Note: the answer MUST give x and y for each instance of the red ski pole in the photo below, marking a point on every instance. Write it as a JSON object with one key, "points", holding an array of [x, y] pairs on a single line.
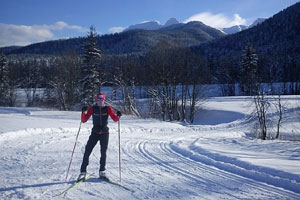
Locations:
{"points": [[73, 151], [119, 150]]}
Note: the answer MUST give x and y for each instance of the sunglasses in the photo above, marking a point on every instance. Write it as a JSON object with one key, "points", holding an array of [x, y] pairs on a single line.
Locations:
{"points": [[100, 99]]}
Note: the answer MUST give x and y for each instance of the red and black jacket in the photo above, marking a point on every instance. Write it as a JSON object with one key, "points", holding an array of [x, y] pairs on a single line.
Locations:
{"points": [[100, 117]]}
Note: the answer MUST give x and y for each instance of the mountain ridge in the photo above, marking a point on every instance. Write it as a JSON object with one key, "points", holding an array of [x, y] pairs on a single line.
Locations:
{"points": [[239, 28], [132, 41], [268, 36], [152, 25]]}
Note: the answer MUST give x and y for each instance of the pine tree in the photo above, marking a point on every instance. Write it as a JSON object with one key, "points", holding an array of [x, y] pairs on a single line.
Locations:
{"points": [[248, 75], [4, 80], [90, 82]]}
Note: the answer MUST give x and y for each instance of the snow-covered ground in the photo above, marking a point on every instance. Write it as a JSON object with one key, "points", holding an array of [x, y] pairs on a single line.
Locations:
{"points": [[215, 158]]}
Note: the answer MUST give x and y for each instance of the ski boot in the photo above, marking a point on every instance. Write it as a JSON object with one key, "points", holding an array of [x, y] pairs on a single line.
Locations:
{"points": [[81, 176], [102, 176]]}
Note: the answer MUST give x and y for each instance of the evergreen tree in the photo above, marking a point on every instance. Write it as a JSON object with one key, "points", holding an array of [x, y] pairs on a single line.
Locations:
{"points": [[90, 82], [248, 75], [4, 80]]}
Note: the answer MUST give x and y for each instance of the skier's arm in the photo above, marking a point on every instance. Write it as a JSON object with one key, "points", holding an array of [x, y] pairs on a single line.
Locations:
{"points": [[86, 116], [112, 114]]}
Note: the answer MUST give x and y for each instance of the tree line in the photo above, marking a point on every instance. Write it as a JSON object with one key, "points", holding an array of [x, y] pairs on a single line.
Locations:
{"points": [[172, 77]]}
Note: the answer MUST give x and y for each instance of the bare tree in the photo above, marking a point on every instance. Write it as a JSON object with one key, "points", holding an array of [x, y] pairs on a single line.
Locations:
{"points": [[31, 78], [200, 75], [279, 108], [176, 77], [128, 94], [13, 84], [4, 79], [227, 76], [124, 77], [261, 109], [64, 80], [163, 79]]}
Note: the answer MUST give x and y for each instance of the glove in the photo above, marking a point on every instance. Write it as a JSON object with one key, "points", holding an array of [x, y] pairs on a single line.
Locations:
{"points": [[119, 114], [84, 108]]}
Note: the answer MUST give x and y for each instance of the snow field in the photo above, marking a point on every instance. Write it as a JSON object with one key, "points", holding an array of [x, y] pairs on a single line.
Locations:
{"points": [[215, 159]]}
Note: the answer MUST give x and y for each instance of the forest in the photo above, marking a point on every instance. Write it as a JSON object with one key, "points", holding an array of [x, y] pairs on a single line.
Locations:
{"points": [[171, 66]]}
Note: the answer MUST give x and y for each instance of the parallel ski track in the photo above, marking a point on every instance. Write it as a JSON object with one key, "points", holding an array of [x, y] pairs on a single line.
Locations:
{"points": [[225, 174], [137, 171], [198, 175], [195, 181], [192, 168]]}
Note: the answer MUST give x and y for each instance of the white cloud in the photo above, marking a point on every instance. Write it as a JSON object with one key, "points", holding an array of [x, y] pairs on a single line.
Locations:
{"points": [[217, 20], [21, 35], [60, 25], [150, 21], [116, 29]]}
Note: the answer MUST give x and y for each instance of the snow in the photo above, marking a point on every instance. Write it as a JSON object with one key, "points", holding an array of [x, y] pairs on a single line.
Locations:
{"points": [[152, 25], [217, 157]]}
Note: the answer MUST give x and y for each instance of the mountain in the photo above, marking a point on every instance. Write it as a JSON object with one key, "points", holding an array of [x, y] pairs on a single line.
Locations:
{"points": [[152, 25], [132, 41], [234, 29], [276, 42], [256, 22], [239, 28], [141, 38], [277, 35], [171, 21], [9, 48]]}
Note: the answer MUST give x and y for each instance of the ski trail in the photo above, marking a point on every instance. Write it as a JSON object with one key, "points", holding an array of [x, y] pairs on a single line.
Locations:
{"points": [[261, 174], [141, 175], [198, 173], [35, 167], [154, 165], [192, 159], [196, 184]]}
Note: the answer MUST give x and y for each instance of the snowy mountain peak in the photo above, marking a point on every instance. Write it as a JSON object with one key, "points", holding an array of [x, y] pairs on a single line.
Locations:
{"points": [[238, 28], [152, 25], [149, 25], [258, 21], [234, 29], [171, 21]]}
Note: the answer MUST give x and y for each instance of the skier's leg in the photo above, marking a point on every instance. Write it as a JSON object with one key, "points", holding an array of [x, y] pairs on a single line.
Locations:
{"points": [[93, 139], [103, 147]]}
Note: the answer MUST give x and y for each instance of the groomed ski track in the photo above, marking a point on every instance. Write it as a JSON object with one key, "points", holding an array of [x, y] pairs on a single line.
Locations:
{"points": [[160, 160]]}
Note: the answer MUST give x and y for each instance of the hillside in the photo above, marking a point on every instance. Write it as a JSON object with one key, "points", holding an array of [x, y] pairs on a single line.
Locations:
{"points": [[133, 41], [278, 35]]}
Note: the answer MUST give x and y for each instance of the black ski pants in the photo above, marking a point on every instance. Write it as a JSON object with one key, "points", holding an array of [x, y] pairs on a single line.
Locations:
{"points": [[93, 139]]}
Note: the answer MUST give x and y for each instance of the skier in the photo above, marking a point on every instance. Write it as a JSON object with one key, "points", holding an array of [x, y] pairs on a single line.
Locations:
{"points": [[100, 132]]}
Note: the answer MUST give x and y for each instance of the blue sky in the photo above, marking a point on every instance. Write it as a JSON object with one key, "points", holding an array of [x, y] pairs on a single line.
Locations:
{"points": [[23, 22]]}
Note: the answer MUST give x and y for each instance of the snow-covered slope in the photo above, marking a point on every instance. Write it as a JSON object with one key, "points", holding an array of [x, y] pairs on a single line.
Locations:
{"points": [[215, 158], [234, 29], [152, 25], [149, 25], [239, 28], [257, 21]]}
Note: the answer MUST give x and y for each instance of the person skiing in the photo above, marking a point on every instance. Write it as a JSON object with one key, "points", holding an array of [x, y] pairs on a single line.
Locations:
{"points": [[100, 132]]}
